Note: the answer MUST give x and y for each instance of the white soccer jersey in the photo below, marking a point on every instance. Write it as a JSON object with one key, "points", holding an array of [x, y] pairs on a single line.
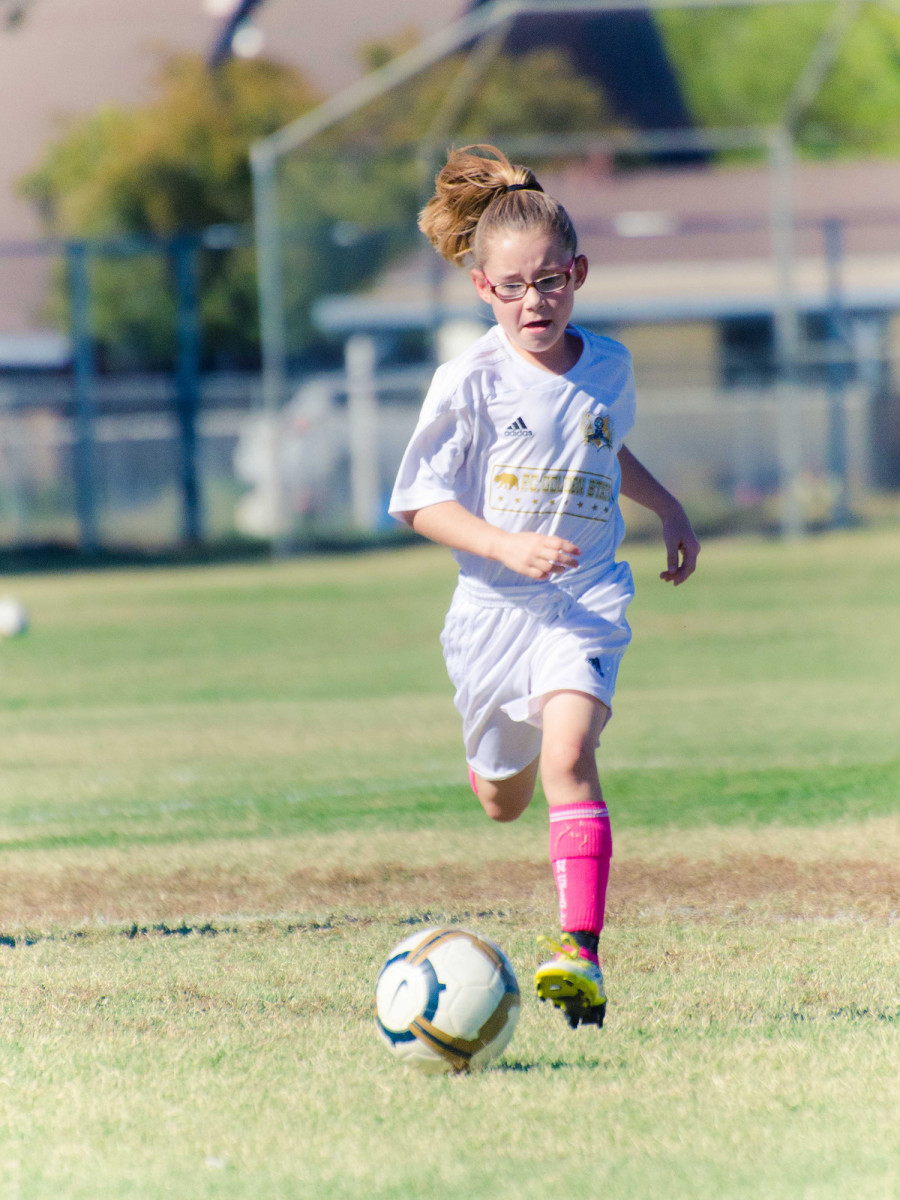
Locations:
{"points": [[525, 449]]}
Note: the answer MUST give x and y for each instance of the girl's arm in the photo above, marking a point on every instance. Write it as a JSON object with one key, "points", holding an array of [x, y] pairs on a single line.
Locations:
{"points": [[682, 546], [531, 554]]}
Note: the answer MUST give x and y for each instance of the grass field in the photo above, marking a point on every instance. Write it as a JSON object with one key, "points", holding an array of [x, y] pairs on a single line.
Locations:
{"points": [[228, 791]]}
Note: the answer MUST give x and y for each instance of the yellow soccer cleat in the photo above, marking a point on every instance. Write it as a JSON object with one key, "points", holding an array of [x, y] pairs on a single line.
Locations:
{"points": [[572, 983]]}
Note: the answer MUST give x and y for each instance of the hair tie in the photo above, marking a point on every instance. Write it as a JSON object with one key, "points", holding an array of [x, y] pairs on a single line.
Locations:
{"points": [[519, 187]]}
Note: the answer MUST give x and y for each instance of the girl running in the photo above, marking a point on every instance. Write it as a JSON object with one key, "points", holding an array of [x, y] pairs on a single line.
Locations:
{"points": [[517, 464]]}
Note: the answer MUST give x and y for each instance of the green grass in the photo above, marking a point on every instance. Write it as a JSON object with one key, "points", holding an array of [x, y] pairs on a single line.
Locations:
{"points": [[226, 792], [277, 698]]}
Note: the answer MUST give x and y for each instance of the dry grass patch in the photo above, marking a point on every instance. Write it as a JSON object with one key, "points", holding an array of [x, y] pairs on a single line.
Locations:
{"points": [[756, 886], [844, 873]]}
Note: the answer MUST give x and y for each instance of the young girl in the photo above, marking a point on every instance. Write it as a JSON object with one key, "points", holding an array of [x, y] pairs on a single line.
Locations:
{"points": [[517, 464]]}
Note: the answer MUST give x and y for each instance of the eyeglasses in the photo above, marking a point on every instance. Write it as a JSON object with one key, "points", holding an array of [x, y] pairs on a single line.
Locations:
{"points": [[545, 285]]}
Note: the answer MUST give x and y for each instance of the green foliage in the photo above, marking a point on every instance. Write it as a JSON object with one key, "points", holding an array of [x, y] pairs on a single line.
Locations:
{"points": [[739, 67], [177, 164], [858, 109], [376, 54], [537, 93]]}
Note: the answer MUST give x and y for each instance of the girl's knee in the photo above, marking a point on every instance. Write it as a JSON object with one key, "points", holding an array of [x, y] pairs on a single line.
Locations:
{"points": [[568, 758], [573, 723], [505, 800], [503, 813], [503, 804]]}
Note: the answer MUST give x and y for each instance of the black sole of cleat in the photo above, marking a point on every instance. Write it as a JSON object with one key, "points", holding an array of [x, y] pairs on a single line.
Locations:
{"points": [[580, 1015], [595, 1016]]}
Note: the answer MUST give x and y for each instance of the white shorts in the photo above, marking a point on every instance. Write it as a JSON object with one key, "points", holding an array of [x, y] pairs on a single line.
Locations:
{"points": [[506, 648]]}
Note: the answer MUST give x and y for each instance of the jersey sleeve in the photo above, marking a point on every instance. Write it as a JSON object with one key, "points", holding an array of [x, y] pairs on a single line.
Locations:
{"points": [[434, 465]]}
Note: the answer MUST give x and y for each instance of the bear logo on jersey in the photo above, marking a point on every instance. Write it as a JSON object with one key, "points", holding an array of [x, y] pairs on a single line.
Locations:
{"points": [[597, 431]]}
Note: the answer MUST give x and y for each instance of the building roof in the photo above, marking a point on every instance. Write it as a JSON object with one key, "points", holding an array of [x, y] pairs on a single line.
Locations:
{"points": [[680, 244]]}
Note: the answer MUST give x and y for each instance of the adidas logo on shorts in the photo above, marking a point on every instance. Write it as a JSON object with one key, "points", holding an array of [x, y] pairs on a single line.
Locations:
{"points": [[597, 665], [517, 429]]}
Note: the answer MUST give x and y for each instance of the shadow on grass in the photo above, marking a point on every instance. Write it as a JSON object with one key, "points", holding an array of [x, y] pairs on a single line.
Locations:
{"points": [[519, 1067], [57, 556]]}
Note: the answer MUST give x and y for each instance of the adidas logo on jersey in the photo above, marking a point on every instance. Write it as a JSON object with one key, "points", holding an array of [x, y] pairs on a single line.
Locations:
{"points": [[517, 429]]}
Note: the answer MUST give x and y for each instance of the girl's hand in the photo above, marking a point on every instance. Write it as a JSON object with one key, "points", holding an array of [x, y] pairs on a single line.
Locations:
{"points": [[536, 555], [682, 546], [531, 554]]}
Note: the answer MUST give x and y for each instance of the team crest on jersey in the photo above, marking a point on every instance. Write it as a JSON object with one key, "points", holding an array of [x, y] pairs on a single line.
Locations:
{"points": [[597, 430]]}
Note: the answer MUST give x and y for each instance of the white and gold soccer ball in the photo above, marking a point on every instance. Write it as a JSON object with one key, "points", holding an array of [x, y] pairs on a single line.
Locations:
{"points": [[447, 1000]]}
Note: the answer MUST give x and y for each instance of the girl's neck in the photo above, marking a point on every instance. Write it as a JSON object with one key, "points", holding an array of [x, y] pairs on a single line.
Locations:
{"points": [[559, 359]]}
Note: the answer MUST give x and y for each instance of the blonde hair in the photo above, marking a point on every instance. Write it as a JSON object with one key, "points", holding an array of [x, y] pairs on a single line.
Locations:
{"points": [[479, 193]]}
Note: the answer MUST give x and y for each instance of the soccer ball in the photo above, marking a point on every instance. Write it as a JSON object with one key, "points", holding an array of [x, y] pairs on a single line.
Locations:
{"points": [[13, 617], [447, 1000]]}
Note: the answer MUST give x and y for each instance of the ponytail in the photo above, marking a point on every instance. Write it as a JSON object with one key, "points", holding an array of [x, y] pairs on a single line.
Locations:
{"points": [[478, 193]]}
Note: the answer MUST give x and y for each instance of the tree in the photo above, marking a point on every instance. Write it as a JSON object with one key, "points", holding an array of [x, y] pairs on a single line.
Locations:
{"points": [[739, 66], [177, 165]]}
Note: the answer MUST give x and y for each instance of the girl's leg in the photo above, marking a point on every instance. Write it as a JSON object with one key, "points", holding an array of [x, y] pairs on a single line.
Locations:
{"points": [[573, 722], [580, 851], [506, 799], [580, 837]]}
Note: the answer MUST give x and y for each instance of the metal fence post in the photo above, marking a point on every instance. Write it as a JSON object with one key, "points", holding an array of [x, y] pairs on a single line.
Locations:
{"points": [[272, 326], [83, 375], [185, 253], [787, 335], [361, 359], [838, 473]]}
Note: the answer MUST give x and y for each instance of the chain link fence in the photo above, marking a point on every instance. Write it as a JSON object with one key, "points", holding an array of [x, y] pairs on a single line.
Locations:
{"points": [[97, 456]]}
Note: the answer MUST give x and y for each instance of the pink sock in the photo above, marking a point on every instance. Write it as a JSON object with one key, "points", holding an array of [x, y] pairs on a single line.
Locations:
{"points": [[580, 850]]}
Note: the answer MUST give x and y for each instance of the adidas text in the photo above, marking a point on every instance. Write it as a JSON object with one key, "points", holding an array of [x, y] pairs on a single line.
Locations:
{"points": [[517, 429]]}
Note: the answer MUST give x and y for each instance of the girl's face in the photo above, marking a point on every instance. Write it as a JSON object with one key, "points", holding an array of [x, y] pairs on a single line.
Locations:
{"points": [[536, 323]]}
